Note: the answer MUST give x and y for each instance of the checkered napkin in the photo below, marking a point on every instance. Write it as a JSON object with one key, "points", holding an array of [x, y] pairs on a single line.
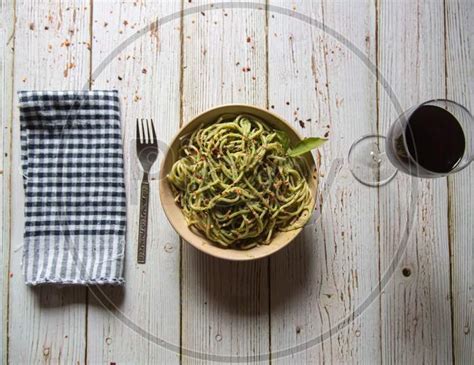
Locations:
{"points": [[75, 207]]}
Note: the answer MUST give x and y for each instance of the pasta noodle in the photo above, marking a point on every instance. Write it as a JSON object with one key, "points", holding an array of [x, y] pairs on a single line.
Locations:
{"points": [[236, 185]]}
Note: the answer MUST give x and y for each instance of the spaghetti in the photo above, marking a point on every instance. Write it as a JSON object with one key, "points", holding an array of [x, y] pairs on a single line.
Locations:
{"points": [[236, 185]]}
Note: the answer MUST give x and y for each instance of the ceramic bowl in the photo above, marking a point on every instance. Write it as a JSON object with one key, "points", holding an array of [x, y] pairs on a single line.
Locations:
{"points": [[173, 211]]}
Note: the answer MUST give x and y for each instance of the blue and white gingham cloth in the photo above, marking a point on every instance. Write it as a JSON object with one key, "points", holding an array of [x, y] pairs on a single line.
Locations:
{"points": [[75, 205]]}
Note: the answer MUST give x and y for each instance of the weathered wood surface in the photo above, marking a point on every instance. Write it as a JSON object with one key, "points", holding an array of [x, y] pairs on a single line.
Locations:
{"points": [[6, 65], [147, 75], [206, 309], [325, 276], [46, 324], [3, 219], [415, 307], [460, 87], [224, 304]]}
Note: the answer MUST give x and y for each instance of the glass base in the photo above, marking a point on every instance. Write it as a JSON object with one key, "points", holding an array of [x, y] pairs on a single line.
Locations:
{"points": [[369, 163]]}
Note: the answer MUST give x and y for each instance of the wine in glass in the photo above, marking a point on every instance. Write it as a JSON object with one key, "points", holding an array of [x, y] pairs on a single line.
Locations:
{"points": [[432, 139]]}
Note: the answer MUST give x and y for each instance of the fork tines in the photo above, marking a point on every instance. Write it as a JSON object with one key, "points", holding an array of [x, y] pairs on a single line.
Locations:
{"points": [[146, 131]]}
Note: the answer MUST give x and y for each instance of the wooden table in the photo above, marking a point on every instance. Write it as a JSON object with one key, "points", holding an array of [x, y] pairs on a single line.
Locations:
{"points": [[350, 289]]}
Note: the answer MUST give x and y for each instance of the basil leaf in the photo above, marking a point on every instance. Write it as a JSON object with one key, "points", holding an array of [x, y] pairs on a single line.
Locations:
{"points": [[283, 139], [306, 145]]}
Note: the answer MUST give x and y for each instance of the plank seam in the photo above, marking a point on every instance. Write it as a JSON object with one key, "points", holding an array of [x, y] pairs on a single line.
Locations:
{"points": [[377, 121], [86, 294], [449, 193], [325, 57], [267, 105], [91, 30], [9, 203], [181, 116]]}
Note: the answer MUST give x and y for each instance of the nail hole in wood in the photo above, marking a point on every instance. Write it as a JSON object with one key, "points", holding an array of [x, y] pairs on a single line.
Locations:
{"points": [[406, 272]]}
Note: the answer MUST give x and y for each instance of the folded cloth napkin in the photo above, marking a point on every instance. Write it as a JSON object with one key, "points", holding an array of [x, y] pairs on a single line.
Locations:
{"points": [[75, 206]]}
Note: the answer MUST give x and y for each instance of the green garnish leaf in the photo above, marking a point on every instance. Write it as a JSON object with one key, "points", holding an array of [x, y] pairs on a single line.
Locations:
{"points": [[306, 145], [283, 139]]}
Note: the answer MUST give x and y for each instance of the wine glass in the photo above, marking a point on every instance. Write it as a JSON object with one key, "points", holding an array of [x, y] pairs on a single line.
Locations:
{"points": [[432, 139]]}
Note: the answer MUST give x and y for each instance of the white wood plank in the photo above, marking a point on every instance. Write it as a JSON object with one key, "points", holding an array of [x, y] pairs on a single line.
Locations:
{"points": [[416, 315], [460, 87], [6, 67], [4, 223], [224, 304], [46, 324], [324, 276], [147, 75]]}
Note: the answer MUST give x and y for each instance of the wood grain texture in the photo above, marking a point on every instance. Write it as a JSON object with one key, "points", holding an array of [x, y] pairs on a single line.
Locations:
{"points": [[213, 56], [46, 324], [6, 68], [224, 304], [4, 223], [323, 277], [6, 82], [415, 307], [147, 74], [460, 87]]}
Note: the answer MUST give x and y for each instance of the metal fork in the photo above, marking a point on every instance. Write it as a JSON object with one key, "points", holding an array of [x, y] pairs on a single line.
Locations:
{"points": [[147, 151]]}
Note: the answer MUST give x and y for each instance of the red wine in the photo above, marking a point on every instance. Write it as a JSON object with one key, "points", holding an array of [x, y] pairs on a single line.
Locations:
{"points": [[435, 139]]}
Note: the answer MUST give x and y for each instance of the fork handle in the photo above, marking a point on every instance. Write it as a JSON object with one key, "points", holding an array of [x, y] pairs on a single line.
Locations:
{"points": [[143, 219]]}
